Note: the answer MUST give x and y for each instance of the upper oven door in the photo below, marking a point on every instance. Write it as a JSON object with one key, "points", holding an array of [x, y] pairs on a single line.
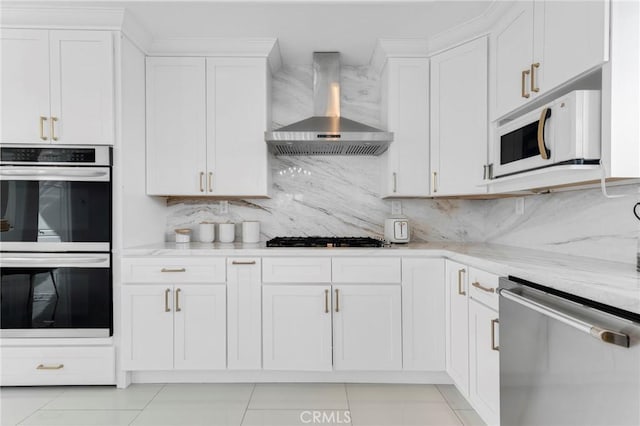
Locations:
{"points": [[525, 143], [55, 208]]}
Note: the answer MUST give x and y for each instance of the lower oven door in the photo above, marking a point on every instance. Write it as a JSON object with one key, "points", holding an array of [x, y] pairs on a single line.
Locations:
{"points": [[56, 295]]}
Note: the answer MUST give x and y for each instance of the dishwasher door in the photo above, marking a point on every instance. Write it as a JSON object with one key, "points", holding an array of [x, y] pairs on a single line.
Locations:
{"points": [[566, 363]]}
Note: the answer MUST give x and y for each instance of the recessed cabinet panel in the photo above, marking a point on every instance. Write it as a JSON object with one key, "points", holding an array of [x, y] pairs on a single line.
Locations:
{"points": [[24, 58], [82, 87], [366, 270], [176, 126]]}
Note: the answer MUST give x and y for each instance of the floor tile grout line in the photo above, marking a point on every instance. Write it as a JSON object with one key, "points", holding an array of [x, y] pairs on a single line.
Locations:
{"points": [[149, 402], [253, 389], [41, 407]]}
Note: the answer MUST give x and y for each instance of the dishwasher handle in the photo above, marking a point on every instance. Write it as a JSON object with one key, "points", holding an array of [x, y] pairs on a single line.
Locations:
{"points": [[605, 335]]}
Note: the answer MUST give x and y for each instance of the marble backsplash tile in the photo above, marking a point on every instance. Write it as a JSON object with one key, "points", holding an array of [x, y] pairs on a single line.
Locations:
{"points": [[340, 195]]}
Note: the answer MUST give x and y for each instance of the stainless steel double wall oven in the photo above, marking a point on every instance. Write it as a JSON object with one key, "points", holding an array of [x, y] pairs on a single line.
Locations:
{"points": [[55, 238]]}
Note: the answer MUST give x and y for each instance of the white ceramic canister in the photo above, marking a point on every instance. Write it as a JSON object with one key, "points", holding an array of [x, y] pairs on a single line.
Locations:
{"points": [[251, 232], [206, 232], [227, 232], [183, 235]]}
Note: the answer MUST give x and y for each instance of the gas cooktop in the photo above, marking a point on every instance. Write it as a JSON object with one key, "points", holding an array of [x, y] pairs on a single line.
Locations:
{"points": [[325, 242]]}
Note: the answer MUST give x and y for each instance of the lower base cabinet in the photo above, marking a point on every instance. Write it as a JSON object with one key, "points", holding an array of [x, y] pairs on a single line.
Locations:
{"points": [[174, 327], [324, 327]]}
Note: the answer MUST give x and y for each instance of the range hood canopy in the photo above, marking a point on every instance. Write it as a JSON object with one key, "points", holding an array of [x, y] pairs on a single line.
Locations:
{"points": [[327, 133]]}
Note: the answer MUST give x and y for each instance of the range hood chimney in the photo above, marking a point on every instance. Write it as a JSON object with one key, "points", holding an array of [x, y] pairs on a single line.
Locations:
{"points": [[327, 133]]}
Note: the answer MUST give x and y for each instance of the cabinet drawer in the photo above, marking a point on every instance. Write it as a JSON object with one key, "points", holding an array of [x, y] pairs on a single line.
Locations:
{"points": [[69, 365], [366, 270], [174, 269], [483, 287], [296, 270]]}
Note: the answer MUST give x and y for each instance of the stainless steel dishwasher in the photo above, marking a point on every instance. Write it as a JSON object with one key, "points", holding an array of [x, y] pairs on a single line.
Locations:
{"points": [[565, 360]]}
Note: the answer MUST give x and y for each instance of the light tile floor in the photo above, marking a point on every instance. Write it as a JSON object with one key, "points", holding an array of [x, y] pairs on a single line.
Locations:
{"points": [[264, 404]]}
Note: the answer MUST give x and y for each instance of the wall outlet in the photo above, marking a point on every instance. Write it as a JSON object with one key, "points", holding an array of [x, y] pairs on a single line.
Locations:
{"points": [[223, 207], [396, 207], [520, 206]]}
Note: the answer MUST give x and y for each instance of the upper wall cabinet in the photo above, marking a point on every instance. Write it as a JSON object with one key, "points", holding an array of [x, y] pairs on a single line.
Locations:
{"points": [[57, 87], [459, 119], [538, 46], [205, 126], [405, 104]]}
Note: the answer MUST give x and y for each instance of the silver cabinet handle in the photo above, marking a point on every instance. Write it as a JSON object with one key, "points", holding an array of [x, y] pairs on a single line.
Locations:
{"points": [[178, 300], [166, 300], [210, 181], [461, 292], [240, 262], [607, 336], [435, 180], [476, 284], [337, 300], [201, 181], [50, 367], [493, 335], [326, 301], [395, 182], [173, 270]]}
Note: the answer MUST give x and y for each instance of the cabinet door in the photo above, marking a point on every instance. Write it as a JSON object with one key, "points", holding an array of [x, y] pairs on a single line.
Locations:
{"points": [[459, 137], [406, 93], [24, 56], [512, 42], [236, 122], [200, 335], [484, 386], [296, 327], [367, 330], [457, 325], [244, 314], [147, 332], [423, 314], [82, 87], [564, 54], [176, 126]]}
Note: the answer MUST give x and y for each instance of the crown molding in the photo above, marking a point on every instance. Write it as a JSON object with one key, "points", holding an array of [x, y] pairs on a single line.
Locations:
{"points": [[81, 18], [259, 47], [397, 48]]}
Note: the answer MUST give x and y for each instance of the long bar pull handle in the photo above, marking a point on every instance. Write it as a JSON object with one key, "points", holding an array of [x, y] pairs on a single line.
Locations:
{"points": [[210, 182], [173, 270], [337, 300], [395, 182], [240, 262], [166, 300], [605, 335], [53, 128], [42, 135], [201, 181], [542, 148], [50, 367], [476, 284], [493, 335], [523, 92], [533, 77], [435, 180], [326, 301], [461, 292], [178, 300]]}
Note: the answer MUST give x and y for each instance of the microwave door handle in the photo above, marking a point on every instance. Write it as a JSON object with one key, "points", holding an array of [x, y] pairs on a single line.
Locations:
{"points": [[542, 148]]}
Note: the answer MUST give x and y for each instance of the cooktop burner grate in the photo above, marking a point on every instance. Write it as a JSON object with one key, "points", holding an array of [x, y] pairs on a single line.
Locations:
{"points": [[325, 242]]}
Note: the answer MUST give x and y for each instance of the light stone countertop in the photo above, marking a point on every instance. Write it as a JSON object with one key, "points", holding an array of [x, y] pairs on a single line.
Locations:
{"points": [[612, 283]]}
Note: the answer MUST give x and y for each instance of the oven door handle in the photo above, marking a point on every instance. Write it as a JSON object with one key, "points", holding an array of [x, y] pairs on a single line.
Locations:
{"points": [[542, 148], [603, 334], [56, 173], [54, 262]]}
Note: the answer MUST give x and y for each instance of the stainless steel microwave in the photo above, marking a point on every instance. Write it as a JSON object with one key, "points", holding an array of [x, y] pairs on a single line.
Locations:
{"points": [[565, 131]]}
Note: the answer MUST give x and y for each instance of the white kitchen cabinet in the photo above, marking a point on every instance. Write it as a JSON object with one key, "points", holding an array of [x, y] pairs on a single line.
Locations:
{"points": [[459, 117], [237, 117], [244, 314], [25, 85], [535, 53], [405, 112], [423, 314], [484, 377], [176, 126], [206, 119], [57, 87], [367, 330], [457, 325], [296, 327], [169, 327]]}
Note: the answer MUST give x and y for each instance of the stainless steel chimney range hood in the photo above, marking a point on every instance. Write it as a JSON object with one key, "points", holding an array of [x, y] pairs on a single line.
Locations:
{"points": [[327, 133]]}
